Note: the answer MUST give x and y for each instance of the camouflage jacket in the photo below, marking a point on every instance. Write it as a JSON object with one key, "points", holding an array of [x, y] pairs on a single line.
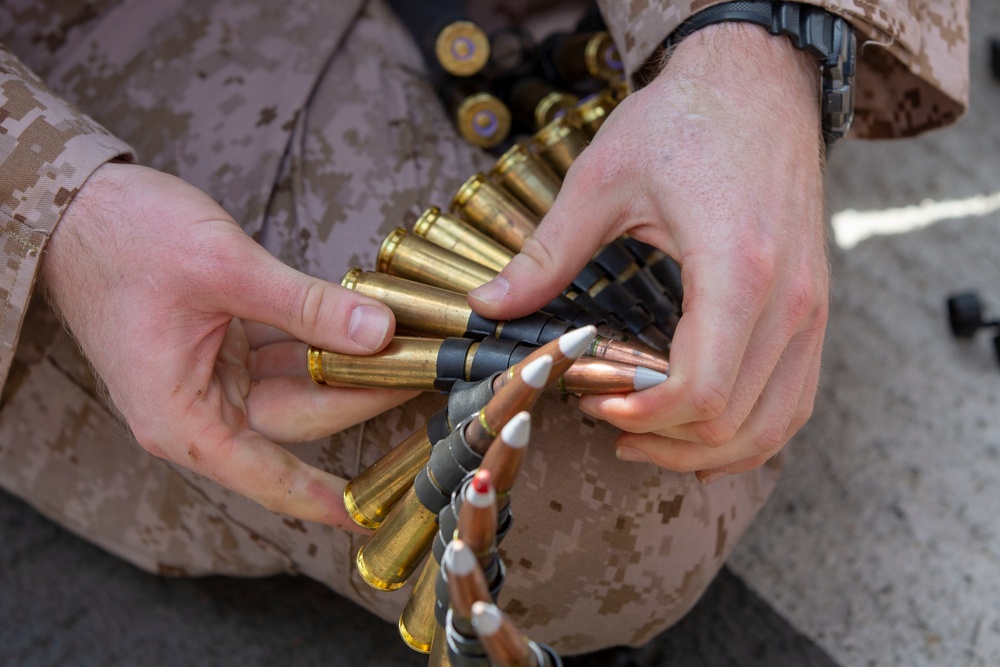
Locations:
{"points": [[912, 77]]}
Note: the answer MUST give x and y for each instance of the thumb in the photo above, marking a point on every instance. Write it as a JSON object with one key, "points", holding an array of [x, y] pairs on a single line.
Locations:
{"points": [[580, 221], [262, 289]]}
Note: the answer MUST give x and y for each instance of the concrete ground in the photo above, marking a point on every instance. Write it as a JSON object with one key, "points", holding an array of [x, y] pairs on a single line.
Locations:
{"points": [[881, 546]]}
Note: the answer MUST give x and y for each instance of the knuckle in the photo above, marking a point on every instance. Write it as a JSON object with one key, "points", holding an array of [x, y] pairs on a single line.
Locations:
{"points": [[538, 253], [757, 266], [708, 401], [715, 433], [312, 305], [768, 441]]}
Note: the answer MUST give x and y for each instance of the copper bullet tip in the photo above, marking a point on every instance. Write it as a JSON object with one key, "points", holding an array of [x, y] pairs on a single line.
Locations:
{"points": [[517, 431], [536, 374], [574, 343], [646, 378]]}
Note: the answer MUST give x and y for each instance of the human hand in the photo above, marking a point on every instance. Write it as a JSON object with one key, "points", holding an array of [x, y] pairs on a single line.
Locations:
{"points": [[718, 163], [184, 318]]}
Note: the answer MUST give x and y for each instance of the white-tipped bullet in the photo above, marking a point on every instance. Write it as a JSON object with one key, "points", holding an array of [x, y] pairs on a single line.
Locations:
{"points": [[458, 558], [536, 374], [574, 343], [646, 378], [517, 432], [486, 618]]}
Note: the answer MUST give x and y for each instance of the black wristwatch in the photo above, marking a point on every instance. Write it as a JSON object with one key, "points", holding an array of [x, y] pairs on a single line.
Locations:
{"points": [[812, 29]]}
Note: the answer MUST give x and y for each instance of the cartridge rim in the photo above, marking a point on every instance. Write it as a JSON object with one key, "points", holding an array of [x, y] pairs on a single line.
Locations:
{"points": [[595, 108], [515, 155], [554, 105], [411, 641], [370, 578], [351, 278], [553, 132], [467, 191], [602, 57], [387, 250], [483, 120], [352, 508], [462, 48], [314, 360], [426, 221]]}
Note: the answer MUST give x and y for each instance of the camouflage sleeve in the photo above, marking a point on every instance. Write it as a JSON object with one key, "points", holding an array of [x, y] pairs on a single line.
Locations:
{"points": [[47, 151], [913, 56]]}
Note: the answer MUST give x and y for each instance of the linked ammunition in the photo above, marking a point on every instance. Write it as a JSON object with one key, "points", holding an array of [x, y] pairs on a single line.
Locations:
{"points": [[593, 110], [503, 458], [481, 118], [453, 234], [466, 584], [477, 519], [407, 256], [448, 40], [413, 258], [527, 179], [595, 282], [616, 378], [417, 622], [432, 311], [511, 51], [503, 641], [560, 141], [535, 102], [404, 537], [490, 210], [568, 59], [664, 269], [618, 262]]}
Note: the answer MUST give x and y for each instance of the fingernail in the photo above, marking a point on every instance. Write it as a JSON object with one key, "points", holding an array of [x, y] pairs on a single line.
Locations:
{"points": [[711, 477], [492, 291], [630, 454], [368, 326]]}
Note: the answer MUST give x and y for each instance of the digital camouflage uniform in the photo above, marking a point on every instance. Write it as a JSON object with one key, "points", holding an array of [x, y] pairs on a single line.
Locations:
{"points": [[312, 124]]}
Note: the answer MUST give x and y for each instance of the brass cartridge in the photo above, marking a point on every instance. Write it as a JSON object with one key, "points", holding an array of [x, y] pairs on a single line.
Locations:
{"points": [[595, 109], [462, 48], [417, 621], [536, 102], [407, 256], [580, 56], [481, 119], [375, 491], [527, 178], [405, 363], [453, 234], [560, 142], [439, 649], [399, 544], [490, 210], [419, 309]]}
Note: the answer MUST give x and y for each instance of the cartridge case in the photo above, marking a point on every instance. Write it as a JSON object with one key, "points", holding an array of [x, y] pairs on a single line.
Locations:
{"points": [[399, 544], [419, 309], [408, 256], [480, 117], [461, 238], [527, 178], [417, 622], [375, 491], [580, 56], [405, 363], [490, 210], [560, 142], [462, 48], [535, 102], [439, 649], [595, 109]]}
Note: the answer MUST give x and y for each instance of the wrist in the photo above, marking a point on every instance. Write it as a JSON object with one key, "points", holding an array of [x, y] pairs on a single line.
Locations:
{"points": [[744, 66]]}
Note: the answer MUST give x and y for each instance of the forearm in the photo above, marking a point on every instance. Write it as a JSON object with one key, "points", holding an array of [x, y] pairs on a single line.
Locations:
{"points": [[48, 151]]}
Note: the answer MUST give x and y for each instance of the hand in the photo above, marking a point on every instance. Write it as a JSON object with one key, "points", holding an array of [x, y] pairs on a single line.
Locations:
{"points": [[155, 280], [718, 162]]}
